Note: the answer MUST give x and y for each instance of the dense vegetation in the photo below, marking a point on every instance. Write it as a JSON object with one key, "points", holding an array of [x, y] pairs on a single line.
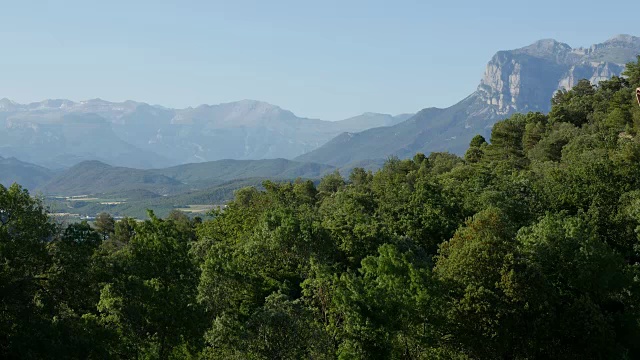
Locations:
{"points": [[526, 248]]}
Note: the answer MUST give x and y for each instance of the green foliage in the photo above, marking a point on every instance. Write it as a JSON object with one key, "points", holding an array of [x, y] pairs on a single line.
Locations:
{"points": [[587, 287], [387, 309], [105, 225], [479, 273], [24, 260], [331, 183], [124, 230], [632, 73], [528, 248], [476, 149], [506, 141], [150, 302]]}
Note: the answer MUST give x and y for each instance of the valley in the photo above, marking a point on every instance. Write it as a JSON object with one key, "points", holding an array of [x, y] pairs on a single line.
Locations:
{"points": [[91, 187]]}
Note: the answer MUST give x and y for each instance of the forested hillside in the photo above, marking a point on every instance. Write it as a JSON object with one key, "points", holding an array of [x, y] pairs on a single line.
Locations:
{"points": [[93, 177], [528, 247]]}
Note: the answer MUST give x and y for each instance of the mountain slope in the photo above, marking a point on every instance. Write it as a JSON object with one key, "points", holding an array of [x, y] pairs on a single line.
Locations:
{"points": [[202, 174], [28, 175], [519, 80], [95, 177], [92, 177], [371, 120], [65, 140]]}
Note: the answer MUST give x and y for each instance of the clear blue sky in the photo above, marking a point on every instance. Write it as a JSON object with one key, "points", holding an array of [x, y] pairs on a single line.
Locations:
{"points": [[322, 59]]}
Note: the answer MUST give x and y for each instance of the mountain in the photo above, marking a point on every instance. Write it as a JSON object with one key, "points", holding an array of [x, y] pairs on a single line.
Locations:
{"points": [[60, 133], [518, 80], [58, 141], [95, 177], [91, 177], [28, 175], [209, 173]]}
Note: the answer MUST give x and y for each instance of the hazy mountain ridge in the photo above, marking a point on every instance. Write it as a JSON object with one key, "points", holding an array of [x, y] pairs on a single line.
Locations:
{"points": [[208, 173], [26, 174], [60, 133], [95, 177], [90, 177], [518, 80]]}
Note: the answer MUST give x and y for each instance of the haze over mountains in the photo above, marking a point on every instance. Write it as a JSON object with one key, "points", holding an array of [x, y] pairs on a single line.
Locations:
{"points": [[62, 133], [116, 137]]}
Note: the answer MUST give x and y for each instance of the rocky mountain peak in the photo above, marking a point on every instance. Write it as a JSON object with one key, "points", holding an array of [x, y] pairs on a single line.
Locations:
{"points": [[525, 79], [253, 106], [249, 103], [52, 104], [623, 38], [545, 48], [6, 104]]}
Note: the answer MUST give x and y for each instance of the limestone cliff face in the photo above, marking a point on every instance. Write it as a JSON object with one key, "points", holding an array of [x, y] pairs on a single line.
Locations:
{"points": [[525, 79], [518, 80]]}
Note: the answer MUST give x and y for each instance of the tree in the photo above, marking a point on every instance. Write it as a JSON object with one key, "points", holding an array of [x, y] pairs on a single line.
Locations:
{"points": [[25, 231], [350, 218], [125, 230], [575, 106], [73, 288], [632, 73], [360, 176], [550, 146], [479, 271], [152, 301], [105, 225], [331, 183], [582, 307], [442, 162], [386, 310], [506, 141], [476, 149], [526, 249]]}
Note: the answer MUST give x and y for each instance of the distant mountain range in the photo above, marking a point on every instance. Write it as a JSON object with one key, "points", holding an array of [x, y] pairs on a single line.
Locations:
{"points": [[58, 134], [62, 133], [519, 80]]}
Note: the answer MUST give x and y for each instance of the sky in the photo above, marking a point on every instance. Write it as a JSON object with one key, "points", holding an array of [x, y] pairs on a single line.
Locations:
{"points": [[320, 59]]}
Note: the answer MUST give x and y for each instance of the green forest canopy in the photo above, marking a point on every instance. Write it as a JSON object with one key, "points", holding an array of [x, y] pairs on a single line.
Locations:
{"points": [[526, 248]]}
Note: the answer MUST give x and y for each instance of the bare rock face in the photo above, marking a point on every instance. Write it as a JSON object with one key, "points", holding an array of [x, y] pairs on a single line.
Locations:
{"points": [[525, 79]]}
